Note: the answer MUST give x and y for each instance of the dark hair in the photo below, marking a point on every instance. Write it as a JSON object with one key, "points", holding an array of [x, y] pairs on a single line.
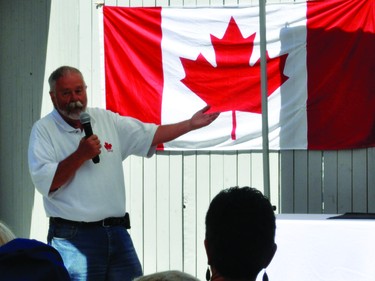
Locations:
{"points": [[240, 232], [29, 259], [60, 72]]}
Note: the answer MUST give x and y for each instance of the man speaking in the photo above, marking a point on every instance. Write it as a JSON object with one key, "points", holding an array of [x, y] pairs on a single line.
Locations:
{"points": [[85, 201]]}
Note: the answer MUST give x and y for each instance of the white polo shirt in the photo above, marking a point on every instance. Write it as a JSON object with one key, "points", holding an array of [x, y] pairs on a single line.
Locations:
{"points": [[96, 191]]}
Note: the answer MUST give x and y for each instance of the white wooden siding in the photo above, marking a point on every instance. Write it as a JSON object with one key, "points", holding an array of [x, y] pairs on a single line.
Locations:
{"points": [[168, 194]]}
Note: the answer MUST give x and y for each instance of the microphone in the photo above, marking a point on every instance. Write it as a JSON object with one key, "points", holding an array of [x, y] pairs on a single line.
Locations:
{"points": [[84, 117]]}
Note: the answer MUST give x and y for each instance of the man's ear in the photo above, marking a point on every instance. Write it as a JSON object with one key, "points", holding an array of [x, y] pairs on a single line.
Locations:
{"points": [[270, 255], [53, 98]]}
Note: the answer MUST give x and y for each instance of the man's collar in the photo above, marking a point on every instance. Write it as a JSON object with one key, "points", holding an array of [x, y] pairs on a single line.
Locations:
{"points": [[61, 122]]}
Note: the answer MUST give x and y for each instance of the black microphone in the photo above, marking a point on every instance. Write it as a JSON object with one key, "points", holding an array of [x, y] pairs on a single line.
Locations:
{"points": [[84, 117]]}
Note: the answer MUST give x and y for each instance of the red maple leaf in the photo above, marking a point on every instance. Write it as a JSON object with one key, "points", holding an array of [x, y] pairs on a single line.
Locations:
{"points": [[108, 146], [233, 84]]}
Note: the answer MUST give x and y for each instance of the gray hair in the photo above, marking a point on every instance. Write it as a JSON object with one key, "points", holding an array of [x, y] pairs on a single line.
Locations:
{"points": [[169, 275], [61, 72], [6, 234]]}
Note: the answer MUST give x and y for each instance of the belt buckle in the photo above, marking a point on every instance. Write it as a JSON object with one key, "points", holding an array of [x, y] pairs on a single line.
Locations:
{"points": [[104, 224]]}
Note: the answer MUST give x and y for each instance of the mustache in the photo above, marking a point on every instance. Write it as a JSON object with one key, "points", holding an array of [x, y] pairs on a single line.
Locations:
{"points": [[75, 104]]}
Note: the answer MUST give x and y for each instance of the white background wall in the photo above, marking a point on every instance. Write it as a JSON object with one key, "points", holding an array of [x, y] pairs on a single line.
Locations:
{"points": [[169, 193]]}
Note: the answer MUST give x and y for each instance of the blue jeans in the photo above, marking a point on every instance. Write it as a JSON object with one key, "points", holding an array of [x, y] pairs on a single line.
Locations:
{"points": [[95, 253]]}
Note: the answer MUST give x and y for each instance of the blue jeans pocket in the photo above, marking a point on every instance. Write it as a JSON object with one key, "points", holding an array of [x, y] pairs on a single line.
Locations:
{"points": [[62, 232]]}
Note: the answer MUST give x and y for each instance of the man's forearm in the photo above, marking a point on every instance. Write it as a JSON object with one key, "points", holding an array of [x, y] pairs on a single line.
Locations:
{"points": [[87, 149], [165, 133], [65, 170]]}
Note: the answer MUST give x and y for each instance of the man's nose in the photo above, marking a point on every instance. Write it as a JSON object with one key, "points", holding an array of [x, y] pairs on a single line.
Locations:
{"points": [[75, 96]]}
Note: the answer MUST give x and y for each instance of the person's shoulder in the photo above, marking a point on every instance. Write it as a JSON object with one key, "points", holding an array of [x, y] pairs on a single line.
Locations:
{"points": [[102, 115], [45, 121], [97, 111]]}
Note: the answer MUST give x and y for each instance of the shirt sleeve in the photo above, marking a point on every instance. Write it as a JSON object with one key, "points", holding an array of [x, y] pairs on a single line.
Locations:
{"points": [[42, 160], [136, 137]]}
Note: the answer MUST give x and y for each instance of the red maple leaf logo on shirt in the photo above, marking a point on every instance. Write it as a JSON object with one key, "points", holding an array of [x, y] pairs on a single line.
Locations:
{"points": [[108, 146], [233, 84]]}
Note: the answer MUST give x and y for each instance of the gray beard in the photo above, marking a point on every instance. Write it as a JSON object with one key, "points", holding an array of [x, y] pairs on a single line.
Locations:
{"points": [[71, 106]]}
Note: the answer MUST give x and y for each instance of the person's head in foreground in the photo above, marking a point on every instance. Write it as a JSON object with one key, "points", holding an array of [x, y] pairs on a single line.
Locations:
{"points": [[240, 234], [28, 259], [169, 275]]}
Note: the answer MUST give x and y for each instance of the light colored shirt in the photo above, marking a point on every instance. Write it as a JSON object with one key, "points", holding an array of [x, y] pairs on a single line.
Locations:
{"points": [[96, 191]]}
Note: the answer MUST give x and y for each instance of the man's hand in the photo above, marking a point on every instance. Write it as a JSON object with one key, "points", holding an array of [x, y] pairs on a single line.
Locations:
{"points": [[89, 147], [201, 119]]}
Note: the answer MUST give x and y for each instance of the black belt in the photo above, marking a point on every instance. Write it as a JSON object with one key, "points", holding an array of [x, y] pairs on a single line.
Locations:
{"points": [[121, 221]]}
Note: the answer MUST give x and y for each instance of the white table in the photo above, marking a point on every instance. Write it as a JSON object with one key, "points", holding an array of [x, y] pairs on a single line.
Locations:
{"points": [[314, 248]]}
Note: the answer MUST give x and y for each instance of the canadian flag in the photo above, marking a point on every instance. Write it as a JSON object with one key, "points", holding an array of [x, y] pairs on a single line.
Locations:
{"points": [[164, 64]]}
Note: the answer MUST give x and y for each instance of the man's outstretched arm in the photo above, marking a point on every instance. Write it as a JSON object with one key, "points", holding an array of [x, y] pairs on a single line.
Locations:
{"points": [[166, 133]]}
